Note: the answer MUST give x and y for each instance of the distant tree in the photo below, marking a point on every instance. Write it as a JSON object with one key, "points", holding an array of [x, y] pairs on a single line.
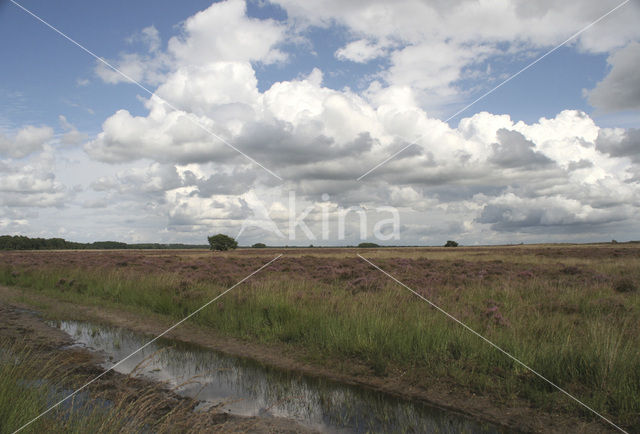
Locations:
{"points": [[451, 243], [108, 245], [368, 245], [19, 242], [222, 242], [259, 246]]}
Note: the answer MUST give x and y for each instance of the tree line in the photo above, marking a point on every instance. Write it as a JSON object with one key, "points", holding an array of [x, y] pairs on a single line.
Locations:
{"points": [[20, 242]]}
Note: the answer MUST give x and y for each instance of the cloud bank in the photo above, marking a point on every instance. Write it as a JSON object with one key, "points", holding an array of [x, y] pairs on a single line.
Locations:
{"points": [[487, 179]]}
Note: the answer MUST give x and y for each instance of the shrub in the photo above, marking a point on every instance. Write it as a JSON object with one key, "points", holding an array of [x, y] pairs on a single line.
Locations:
{"points": [[259, 246], [222, 242], [624, 284], [451, 243], [368, 245]]}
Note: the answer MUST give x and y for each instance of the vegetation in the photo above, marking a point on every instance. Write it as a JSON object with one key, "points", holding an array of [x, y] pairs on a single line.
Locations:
{"points": [[259, 246], [31, 381], [18, 242], [368, 245], [625, 284], [8, 242], [568, 320], [222, 242], [451, 243]]}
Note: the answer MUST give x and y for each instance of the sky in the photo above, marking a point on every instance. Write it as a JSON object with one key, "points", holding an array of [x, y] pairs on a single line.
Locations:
{"points": [[505, 121]]}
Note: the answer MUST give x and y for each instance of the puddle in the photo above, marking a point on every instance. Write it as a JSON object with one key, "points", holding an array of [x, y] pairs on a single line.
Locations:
{"points": [[244, 387]]}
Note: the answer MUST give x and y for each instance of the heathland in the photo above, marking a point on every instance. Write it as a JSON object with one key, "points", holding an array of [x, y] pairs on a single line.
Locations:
{"points": [[571, 312]]}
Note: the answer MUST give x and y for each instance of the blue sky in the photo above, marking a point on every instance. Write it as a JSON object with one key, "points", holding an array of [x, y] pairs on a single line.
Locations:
{"points": [[358, 78], [44, 68]]}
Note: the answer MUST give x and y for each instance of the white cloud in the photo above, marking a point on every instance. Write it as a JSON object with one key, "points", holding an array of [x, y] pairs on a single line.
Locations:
{"points": [[431, 68], [166, 136], [489, 170], [429, 44], [137, 67], [223, 32], [219, 33], [26, 141], [31, 185], [213, 88], [511, 213], [360, 51], [320, 140], [71, 136], [488, 175], [620, 89], [147, 67], [541, 23], [150, 37]]}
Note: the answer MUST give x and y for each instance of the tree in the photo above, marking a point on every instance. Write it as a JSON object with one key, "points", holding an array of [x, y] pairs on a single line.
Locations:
{"points": [[368, 245], [259, 246], [451, 243], [222, 242]]}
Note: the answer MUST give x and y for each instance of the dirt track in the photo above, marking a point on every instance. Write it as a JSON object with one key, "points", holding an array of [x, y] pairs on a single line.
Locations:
{"points": [[19, 323], [517, 417]]}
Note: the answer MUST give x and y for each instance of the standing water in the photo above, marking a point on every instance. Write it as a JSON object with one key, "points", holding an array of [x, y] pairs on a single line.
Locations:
{"points": [[244, 387]]}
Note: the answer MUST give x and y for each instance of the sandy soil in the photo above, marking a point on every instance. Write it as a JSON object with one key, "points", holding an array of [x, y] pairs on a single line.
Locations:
{"points": [[518, 416]]}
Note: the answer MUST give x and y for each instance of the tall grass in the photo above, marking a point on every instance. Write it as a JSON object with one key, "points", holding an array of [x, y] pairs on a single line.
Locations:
{"points": [[583, 337], [31, 382]]}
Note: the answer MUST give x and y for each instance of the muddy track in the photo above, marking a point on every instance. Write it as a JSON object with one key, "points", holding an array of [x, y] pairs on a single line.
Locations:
{"points": [[517, 416], [19, 323]]}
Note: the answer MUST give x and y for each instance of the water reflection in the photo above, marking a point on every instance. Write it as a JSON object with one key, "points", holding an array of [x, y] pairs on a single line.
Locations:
{"points": [[244, 387]]}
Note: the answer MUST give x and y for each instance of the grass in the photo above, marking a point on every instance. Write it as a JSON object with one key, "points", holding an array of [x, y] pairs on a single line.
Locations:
{"points": [[571, 326], [31, 381]]}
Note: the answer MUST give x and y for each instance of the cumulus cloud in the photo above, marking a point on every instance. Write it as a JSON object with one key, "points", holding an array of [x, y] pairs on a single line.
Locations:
{"points": [[223, 88], [511, 213], [579, 164], [513, 150], [430, 44], [26, 141], [236, 182], [223, 32], [620, 143], [154, 180], [163, 136], [32, 185], [538, 23], [488, 173], [360, 51], [432, 67], [620, 89]]}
